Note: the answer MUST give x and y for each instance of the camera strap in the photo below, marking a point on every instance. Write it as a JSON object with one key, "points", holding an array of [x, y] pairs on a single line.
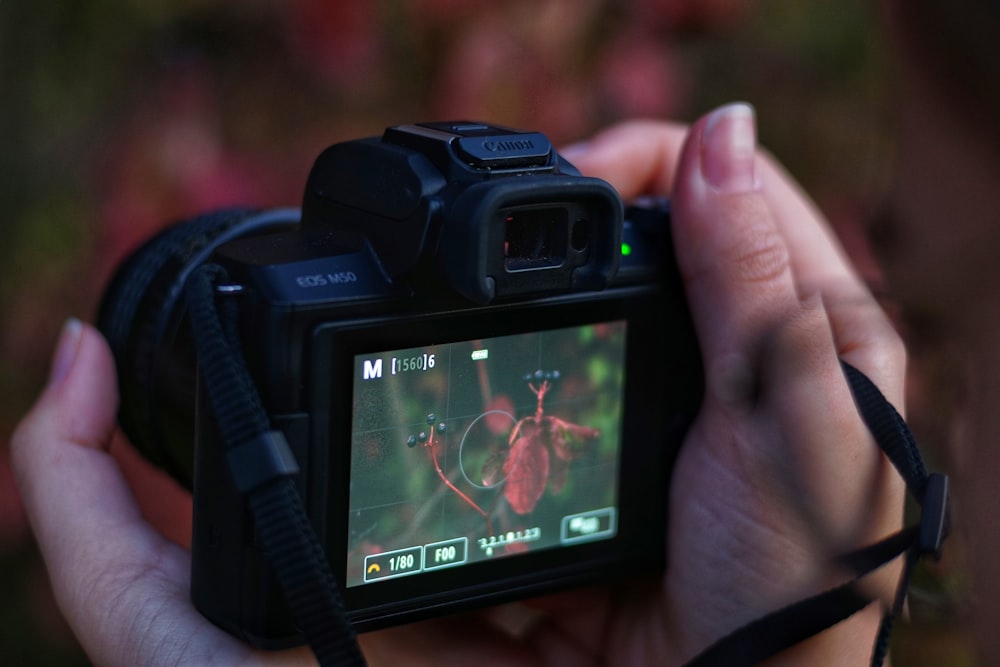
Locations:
{"points": [[786, 627], [262, 466]]}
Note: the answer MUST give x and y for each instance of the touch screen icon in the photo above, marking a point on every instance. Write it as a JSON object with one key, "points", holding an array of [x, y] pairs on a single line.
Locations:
{"points": [[393, 564], [593, 525], [445, 554]]}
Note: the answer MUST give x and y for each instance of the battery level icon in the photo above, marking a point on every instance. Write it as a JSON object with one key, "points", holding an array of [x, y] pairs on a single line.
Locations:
{"points": [[480, 355]]}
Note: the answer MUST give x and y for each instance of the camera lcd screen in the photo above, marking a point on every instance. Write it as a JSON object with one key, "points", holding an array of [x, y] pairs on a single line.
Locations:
{"points": [[484, 449]]}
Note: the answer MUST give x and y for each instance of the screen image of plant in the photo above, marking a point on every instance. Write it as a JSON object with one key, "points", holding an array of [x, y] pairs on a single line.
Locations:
{"points": [[494, 440]]}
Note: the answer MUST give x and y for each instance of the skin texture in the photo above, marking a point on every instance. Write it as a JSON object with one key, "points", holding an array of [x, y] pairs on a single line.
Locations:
{"points": [[776, 477]]}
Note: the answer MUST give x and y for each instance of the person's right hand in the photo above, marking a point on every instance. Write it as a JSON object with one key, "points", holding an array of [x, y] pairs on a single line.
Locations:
{"points": [[778, 475]]}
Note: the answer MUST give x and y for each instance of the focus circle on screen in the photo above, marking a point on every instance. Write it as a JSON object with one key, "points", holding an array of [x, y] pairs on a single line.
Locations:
{"points": [[480, 452]]}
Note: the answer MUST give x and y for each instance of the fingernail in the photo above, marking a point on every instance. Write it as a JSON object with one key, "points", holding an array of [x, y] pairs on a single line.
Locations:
{"points": [[66, 350], [728, 149]]}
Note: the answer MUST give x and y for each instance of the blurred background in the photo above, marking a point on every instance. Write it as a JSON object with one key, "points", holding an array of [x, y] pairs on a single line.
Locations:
{"points": [[119, 116]]}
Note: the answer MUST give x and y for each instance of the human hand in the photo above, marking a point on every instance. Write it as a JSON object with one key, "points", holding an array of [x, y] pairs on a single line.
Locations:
{"points": [[778, 475], [122, 586]]}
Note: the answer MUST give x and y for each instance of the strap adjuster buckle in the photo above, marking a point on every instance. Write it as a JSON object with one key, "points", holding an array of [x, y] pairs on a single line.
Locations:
{"points": [[934, 517], [261, 459]]}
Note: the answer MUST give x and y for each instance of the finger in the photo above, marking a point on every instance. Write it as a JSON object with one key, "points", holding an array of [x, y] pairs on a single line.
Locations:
{"points": [[817, 256], [164, 503], [643, 157], [640, 157], [835, 474], [734, 261], [864, 335], [121, 586], [69, 429], [637, 157]]}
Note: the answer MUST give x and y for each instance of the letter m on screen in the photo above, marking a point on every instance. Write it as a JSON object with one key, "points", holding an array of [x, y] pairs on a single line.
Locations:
{"points": [[372, 369]]}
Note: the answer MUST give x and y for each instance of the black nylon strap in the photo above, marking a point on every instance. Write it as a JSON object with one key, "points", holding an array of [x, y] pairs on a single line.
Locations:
{"points": [[872, 557], [889, 430], [289, 542], [931, 491], [260, 460], [786, 627]]}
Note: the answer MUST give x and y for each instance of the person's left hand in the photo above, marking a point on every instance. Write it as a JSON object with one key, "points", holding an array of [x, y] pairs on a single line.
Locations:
{"points": [[122, 586]]}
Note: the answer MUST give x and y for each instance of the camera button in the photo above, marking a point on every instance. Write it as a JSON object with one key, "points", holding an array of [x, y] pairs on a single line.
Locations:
{"points": [[396, 563], [446, 554]]}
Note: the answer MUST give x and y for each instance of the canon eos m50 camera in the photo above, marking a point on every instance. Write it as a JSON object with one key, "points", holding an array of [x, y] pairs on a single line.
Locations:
{"points": [[482, 368]]}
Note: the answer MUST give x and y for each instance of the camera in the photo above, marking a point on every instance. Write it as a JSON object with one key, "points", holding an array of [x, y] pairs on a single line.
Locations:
{"points": [[481, 360]]}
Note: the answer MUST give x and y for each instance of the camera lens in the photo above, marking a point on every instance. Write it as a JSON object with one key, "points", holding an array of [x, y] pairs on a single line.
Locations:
{"points": [[142, 317], [535, 238]]}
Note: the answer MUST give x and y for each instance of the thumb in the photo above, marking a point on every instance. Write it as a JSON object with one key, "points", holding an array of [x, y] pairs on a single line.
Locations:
{"points": [[91, 533], [68, 431], [122, 586], [734, 259], [81, 399]]}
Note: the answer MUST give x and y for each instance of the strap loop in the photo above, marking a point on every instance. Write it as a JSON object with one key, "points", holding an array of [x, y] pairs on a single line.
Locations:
{"points": [[261, 463], [934, 519], [260, 460]]}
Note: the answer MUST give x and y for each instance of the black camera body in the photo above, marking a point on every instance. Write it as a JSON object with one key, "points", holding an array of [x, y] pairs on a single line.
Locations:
{"points": [[483, 369]]}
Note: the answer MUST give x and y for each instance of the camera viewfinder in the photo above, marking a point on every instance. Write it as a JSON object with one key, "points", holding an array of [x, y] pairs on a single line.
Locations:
{"points": [[535, 238]]}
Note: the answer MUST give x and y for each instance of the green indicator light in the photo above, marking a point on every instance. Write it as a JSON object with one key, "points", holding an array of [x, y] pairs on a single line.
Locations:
{"points": [[626, 250]]}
